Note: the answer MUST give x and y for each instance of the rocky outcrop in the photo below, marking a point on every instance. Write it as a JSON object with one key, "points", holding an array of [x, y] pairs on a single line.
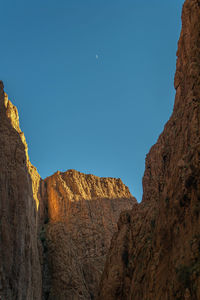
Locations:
{"points": [[83, 211], [20, 270], [157, 246], [54, 233]]}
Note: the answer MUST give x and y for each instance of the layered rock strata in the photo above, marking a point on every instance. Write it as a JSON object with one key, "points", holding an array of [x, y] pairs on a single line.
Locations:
{"points": [[156, 252]]}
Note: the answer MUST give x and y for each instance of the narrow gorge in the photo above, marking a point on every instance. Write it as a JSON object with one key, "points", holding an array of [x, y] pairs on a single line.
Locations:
{"points": [[78, 236]]}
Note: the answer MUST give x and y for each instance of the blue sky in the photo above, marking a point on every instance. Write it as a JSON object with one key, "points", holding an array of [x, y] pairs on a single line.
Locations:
{"points": [[92, 80]]}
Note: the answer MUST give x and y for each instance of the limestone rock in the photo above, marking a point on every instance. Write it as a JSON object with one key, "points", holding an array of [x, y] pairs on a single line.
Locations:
{"points": [[157, 247]]}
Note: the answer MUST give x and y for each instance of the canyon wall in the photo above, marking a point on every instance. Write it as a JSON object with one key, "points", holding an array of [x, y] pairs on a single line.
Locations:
{"points": [[156, 252], [54, 233], [83, 211], [20, 270]]}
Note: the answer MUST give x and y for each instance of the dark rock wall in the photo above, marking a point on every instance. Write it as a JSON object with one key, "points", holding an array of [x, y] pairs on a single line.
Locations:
{"points": [[20, 271], [157, 247]]}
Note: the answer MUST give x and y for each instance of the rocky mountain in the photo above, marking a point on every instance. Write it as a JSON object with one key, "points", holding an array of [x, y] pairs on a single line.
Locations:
{"points": [[54, 233], [157, 246]]}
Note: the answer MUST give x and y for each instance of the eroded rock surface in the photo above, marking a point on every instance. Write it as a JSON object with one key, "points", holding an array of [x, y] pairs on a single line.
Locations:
{"points": [[156, 252], [54, 233], [157, 247], [20, 270], [83, 211]]}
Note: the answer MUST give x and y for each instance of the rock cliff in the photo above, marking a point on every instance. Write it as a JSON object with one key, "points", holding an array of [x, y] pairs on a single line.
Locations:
{"points": [[157, 246], [54, 233], [83, 211], [20, 270]]}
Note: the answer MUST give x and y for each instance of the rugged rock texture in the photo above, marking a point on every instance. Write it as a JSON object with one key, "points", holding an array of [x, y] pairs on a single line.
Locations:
{"points": [[20, 271], [54, 234], [156, 252], [155, 255], [83, 211]]}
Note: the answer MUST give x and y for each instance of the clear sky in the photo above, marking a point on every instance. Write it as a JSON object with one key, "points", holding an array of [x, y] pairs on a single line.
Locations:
{"points": [[92, 80]]}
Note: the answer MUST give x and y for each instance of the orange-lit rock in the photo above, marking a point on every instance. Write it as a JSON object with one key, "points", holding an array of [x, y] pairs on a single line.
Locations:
{"points": [[13, 117], [54, 234], [83, 212]]}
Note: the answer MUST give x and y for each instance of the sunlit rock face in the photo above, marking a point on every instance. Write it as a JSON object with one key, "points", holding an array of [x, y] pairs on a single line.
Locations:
{"points": [[83, 211], [156, 252], [20, 270], [54, 233]]}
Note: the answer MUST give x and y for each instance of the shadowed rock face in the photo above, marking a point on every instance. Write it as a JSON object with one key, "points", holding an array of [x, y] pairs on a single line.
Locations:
{"points": [[20, 271], [54, 233], [157, 247]]}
